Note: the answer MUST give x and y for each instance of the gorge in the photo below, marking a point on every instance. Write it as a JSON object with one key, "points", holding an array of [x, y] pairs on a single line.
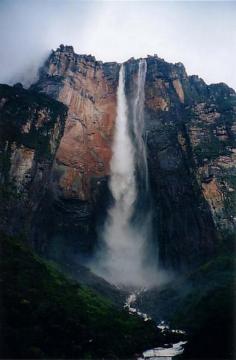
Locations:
{"points": [[129, 170]]}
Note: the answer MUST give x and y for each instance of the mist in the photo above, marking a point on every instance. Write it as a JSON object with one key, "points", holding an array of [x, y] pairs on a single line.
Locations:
{"points": [[200, 34]]}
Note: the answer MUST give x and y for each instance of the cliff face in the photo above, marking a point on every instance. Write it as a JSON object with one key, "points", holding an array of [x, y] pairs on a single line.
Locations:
{"points": [[190, 134], [31, 126], [88, 88], [81, 165], [212, 132]]}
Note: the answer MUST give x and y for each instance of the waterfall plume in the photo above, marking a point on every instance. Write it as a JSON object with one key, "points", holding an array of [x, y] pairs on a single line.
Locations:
{"points": [[123, 258]]}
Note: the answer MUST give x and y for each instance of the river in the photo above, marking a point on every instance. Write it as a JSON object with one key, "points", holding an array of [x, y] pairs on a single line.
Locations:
{"points": [[168, 351]]}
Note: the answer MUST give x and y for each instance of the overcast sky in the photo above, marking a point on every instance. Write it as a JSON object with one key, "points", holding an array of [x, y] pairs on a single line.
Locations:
{"points": [[200, 34]]}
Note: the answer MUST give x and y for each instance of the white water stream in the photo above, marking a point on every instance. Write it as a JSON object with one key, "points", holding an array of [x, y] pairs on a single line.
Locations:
{"points": [[160, 353]]}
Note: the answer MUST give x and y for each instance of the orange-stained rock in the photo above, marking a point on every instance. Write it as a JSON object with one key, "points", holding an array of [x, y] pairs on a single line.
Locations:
{"points": [[179, 90], [90, 94], [213, 195], [86, 144]]}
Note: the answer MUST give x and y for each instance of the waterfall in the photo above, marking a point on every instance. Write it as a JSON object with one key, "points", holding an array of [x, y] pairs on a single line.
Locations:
{"points": [[121, 261], [138, 126]]}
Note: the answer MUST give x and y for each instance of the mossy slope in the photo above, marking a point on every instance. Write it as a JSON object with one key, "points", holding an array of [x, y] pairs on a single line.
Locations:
{"points": [[44, 315]]}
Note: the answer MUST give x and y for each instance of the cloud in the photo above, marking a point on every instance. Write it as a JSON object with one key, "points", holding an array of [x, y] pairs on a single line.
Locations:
{"points": [[30, 29], [202, 35]]}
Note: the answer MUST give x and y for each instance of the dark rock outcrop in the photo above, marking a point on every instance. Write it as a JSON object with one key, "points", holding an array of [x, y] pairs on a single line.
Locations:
{"points": [[31, 127]]}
